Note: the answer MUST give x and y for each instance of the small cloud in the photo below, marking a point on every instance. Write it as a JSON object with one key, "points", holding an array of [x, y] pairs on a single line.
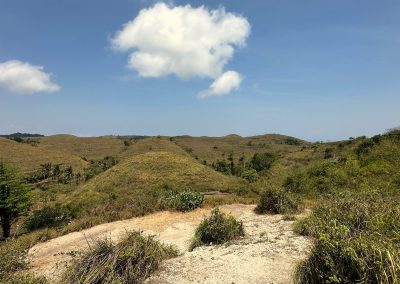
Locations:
{"points": [[223, 85], [25, 79], [181, 40]]}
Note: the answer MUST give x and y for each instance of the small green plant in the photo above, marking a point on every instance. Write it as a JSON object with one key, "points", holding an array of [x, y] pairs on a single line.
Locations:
{"points": [[186, 201], [217, 229], [130, 261], [276, 201]]}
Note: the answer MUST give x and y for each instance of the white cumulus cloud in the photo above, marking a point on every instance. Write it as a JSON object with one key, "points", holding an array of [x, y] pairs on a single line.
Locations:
{"points": [[223, 85], [183, 40], [25, 79]]}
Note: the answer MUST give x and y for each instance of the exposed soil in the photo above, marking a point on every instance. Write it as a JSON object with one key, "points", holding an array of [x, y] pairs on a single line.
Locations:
{"points": [[268, 253]]}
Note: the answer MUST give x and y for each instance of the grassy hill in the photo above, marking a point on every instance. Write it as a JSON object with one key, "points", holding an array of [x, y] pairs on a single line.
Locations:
{"points": [[153, 144], [210, 149], [90, 148], [28, 158], [139, 183]]}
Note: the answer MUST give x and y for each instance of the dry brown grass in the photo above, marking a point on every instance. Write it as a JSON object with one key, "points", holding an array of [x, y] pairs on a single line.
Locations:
{"points": [[28, 158], [92, 148], [211, 149]]}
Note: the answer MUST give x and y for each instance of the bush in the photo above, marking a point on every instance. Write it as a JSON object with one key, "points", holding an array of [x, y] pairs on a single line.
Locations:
{"points": [[48, 217], [328, 153], [337, 257], [357, 240], [276, 201], [130, 261], [250, 175], [186, 201], [262, 161], [364, 147], [222, 166], [217, 229]]}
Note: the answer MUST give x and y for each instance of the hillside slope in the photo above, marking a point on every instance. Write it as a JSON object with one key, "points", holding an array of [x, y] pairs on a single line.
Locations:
{"points": [[28, 158], [210, 149], [90, 148], [140, 182]]}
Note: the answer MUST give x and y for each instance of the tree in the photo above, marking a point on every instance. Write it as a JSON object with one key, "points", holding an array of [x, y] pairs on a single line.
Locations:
{"points": [[262, 161], [15, 197]]}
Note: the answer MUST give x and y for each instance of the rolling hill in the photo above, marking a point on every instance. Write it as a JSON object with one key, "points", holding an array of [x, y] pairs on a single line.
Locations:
{"points": [[28, 158]]}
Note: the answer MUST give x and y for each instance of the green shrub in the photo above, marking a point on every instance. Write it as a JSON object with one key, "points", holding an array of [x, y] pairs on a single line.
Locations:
{"points": [[364, 147], [222, 166], [217, 229], [276, 201], [262, 161], [250, 175], [328, 153], [130, 261], [48, 217], [357, 239], [339, 257], [186, 201]]}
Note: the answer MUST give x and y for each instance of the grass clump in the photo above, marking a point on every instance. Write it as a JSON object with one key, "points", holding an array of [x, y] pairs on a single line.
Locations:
{"points": [[130, 261], [357, 240], [24, 279], [217, 229], [276, 201], [186, 201], [13, 255]]}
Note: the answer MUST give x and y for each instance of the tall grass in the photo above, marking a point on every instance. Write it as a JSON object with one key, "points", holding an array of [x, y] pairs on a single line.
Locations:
{"points": [[217, 229], [357, 240], [276, 201], [129, 261]]}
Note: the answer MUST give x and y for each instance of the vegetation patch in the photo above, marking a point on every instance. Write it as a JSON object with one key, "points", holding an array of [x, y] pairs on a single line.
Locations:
{"points": [[357, 240], [129, 261], [186, 201], [15, 197], [96, 167], [48, 217], [217, 229], [276, 201], [23, 278]]}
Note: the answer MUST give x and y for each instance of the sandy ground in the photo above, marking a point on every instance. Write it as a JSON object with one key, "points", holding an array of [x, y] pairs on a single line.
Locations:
{"points": [[268, 254]]}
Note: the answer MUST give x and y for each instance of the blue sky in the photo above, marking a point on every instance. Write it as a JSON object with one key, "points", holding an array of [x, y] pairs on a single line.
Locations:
{"points": [[318, 70]]}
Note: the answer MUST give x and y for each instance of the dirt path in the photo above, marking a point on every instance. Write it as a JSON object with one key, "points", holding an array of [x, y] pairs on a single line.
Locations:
{"points": [[268, 253]]}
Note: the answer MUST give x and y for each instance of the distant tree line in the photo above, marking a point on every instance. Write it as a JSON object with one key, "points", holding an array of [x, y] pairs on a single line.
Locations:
{"points": [[49, 172], [249, 169], [22, 135]]}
